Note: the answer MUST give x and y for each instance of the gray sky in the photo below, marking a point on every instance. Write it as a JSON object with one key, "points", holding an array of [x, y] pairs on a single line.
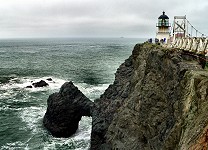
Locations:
{"points": [[94, 18]]}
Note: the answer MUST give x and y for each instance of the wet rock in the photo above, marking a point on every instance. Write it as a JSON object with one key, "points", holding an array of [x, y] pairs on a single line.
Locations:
{"points": [[49, 79], [29, 86], [65, 110], [41, 83]]}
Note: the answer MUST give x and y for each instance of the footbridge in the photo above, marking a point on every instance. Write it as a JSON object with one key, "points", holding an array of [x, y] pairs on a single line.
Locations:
{"points": [[186, 37]]}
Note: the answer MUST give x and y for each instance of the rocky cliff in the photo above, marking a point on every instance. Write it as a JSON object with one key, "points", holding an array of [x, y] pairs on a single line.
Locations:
{"points": [[158, 101]]}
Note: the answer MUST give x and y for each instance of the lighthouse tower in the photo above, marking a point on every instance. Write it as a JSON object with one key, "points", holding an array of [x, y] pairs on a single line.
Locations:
{"points": [[163, 33]]}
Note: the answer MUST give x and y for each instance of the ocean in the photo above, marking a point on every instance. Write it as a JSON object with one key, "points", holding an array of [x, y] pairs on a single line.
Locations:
{"points": [[89, 62]]}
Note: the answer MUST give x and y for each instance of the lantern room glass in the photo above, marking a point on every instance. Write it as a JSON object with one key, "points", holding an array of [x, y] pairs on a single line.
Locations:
{"points": [[163, 22]]}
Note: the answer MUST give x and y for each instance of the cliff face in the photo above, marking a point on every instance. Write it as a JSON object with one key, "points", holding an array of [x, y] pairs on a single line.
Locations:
{"points": [[157, 101], [108, 104], [194, 112]]}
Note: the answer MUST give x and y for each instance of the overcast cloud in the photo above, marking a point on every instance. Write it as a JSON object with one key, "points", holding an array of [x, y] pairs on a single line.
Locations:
{"points": [[94, 18]]}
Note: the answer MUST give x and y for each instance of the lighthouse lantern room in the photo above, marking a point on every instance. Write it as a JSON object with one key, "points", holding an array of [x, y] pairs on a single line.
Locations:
{"points": [[163, 33]]}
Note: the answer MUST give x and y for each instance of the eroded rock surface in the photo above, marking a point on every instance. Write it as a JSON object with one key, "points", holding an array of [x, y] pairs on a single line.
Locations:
{"points": [[153, 103]]}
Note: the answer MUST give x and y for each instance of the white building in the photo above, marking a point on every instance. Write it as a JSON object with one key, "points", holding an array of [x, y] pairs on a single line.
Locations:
{"points": [[163, 33]]}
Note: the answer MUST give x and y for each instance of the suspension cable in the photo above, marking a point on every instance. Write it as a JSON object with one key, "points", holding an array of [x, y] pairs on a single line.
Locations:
{"points": [[197, 31]]}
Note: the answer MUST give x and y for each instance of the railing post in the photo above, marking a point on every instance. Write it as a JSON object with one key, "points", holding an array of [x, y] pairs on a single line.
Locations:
{"points": [[200, 48], [195, 45], [185, 42], [206, 46], [189, 44]]}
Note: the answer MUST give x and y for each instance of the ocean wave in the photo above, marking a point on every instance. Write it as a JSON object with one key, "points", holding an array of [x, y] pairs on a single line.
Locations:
{"points": [[79, 141], [15, 145], [32, 116], [5, 79], [9, 89], [8, 107], [92, 91], [22, 83], [84, 130]]}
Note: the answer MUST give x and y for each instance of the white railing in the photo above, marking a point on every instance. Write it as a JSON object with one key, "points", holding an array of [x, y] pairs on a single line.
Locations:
{"points": [[197, 45]]}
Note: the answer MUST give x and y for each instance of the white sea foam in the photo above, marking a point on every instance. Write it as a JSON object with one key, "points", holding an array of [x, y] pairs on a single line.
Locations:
{"points": [[14, 146], [5, 107], [56, 83], [84, 130], [32, 116], [92, 91], [86, 88], [6, 94], [22, 83]]}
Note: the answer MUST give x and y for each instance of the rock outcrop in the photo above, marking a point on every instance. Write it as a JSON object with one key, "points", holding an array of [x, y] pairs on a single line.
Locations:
{"points": [[49, 79], [65, 110], [158, 101], [29, 86], [41, 83]]}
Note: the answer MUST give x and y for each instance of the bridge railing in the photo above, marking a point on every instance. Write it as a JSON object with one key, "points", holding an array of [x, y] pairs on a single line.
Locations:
{"points": [[197, 45]]}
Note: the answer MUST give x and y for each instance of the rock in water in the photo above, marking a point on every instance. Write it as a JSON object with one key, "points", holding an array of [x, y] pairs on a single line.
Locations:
{"points": [[49, 79], [41, 83], [65, 110], [29, 86]]}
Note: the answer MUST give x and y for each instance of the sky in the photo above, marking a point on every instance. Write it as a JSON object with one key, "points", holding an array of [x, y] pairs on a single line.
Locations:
{"points": [[94, 18]]}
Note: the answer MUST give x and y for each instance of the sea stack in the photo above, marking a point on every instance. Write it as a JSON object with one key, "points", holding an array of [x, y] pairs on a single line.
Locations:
{"points": [[65, 110]]}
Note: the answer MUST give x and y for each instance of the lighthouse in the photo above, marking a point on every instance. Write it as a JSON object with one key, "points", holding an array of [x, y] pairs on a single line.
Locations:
{"points": [[163, 32]]}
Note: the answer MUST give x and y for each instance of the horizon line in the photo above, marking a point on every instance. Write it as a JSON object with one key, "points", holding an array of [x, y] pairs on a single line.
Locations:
{"points": [[84, 37]]}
